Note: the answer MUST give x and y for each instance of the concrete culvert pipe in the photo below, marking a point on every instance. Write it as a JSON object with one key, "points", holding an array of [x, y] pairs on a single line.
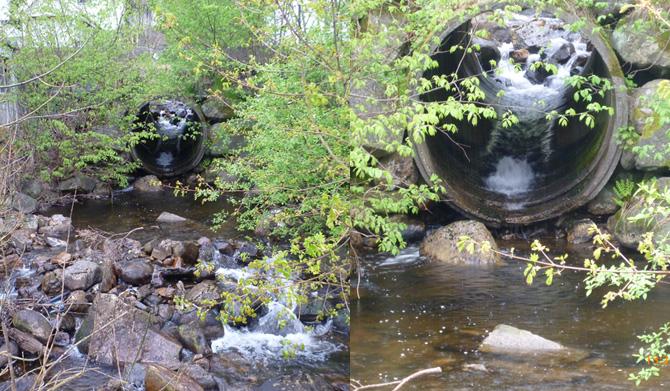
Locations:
{"points": [[177, 141], [535, 169]]}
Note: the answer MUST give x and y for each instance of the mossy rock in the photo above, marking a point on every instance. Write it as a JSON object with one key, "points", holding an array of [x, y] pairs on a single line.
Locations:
{"points": [[630, 233], [654, 136]]}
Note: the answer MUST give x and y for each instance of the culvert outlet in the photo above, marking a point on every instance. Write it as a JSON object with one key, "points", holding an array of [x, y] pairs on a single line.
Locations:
{"points": [[536, 169], [173, 137]]}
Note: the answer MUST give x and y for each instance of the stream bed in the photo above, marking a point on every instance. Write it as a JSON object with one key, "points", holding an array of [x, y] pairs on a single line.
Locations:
{"points": [[413, 314]]}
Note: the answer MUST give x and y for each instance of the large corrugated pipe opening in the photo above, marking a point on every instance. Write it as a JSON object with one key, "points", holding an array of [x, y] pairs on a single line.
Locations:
{"points": [[536, 169], [176, 137]]}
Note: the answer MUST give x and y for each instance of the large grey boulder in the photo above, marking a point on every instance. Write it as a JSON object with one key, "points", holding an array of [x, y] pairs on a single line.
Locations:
{"points": [[78, 183], [629, 233], [640, 45], [442, 245], [120, 332], [24, 203], [32, 322], [654, 135], [82, 275]]}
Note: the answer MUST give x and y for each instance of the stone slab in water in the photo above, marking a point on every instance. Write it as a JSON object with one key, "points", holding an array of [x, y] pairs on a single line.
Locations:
{"points": [[508, 339], [167, 217]]}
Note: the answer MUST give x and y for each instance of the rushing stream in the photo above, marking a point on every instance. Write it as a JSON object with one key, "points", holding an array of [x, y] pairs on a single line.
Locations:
{"points": [[415, 314], [316, 352]]}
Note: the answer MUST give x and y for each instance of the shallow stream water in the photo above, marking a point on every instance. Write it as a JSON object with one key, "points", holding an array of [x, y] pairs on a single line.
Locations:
{"points": [[415, 314]]}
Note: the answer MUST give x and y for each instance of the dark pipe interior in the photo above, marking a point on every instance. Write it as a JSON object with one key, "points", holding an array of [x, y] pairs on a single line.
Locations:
{"points": [[176, 141], [462, 161]]}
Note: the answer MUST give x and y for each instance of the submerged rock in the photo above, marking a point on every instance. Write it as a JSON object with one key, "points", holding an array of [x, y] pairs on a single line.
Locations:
{"points": [[506, 339], [167, 217], [442, 244]]}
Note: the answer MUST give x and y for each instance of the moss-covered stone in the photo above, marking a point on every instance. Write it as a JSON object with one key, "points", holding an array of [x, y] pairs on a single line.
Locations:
{"points": [[652, 151]]}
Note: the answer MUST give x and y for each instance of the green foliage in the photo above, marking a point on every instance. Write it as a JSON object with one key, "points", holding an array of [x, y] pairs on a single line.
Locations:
{"points": [[623, 191], [92, 71]]}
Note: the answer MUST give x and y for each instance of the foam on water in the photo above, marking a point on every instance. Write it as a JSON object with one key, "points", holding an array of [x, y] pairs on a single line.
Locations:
{"points": [[267, 347], [406, 256], [512, 176]]}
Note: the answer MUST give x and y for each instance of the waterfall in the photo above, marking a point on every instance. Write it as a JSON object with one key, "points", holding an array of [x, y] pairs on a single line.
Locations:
{"points": [[514, 153]]}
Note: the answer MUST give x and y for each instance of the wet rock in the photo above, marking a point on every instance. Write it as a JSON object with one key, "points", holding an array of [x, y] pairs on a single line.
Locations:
{"points": [[83, 334], [206, 290], [136, 271], [22, 239], [78, 183], [211, 327], [162, 250], [26, 342], [52, 282], [187, 251], [641, 44], [200, 375], [58, 226], [108, 281], [168, 218], [215, 174], [77, 302], [246, 252], [34, 323], [561, 54], [54, 242], [5, 350], [193, 338], [62, 259], [472, 367], [520, 56], [82, 275], [537, 75], [654, 135], [160, 378], [629, 233], [506, 339], [442, 244], [578, 231], [67, 323], [279, 320], [24, 203], [148, 184], [61, 338], [604, 203], [122, 332]]}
